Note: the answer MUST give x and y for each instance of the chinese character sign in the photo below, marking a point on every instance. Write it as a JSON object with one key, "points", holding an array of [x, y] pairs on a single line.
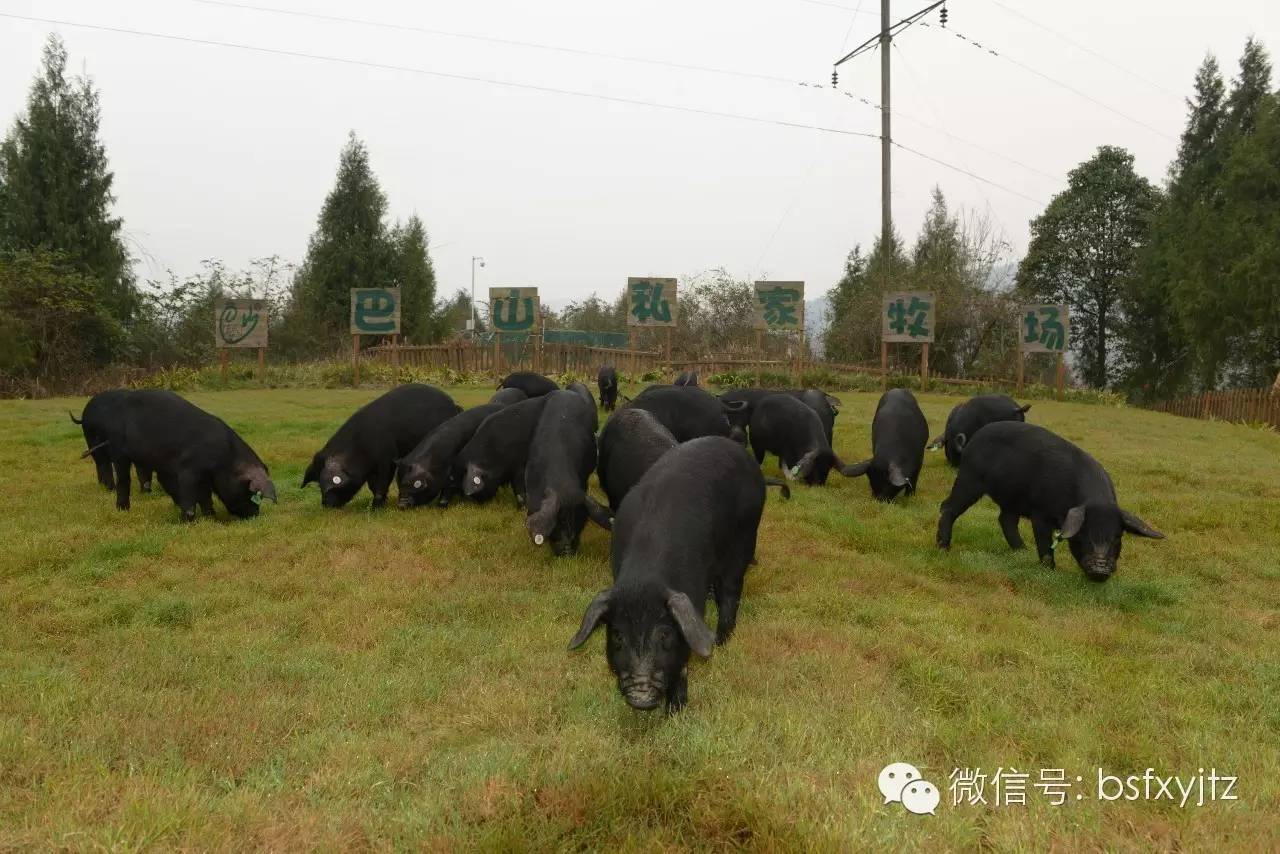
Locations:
{"points": [[651, 302], [375, 311], [779, 305], [1044, 329], [513, 309], [240, 323], [908, 318]]}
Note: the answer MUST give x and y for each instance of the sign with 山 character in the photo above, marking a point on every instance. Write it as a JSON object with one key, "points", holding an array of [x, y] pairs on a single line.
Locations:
{"points": [[1044, 329], [375, 311], [908, 318], [651, 302], [514, 309], [240, 323], [779, 306]]}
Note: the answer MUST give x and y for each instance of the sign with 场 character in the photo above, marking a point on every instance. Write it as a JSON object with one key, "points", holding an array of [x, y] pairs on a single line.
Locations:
{"points": [[514, 309], [375, 311], [651, 302], [779, 306], [1044, 328], [240, 323], [908, 318]]}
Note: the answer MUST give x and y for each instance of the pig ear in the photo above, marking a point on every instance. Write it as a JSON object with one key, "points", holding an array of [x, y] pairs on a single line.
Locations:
{"points": [[260, 482], [1073, 523], [312, 474], [599, 514], [591, 619], [857, 469], [543, 519], [1024, 409], [734, 406], [960, 439], [805, 466], [695, 632], [896, 477], [1134, 525], [834, 403]]}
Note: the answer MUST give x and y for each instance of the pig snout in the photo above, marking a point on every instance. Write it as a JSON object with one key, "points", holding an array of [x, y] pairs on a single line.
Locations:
{"points": [[642, 691], [406, 502], [1098, 569]]}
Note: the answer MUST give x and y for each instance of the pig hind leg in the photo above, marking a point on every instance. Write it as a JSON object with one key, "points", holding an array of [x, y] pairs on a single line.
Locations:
{"points": [[965, 493], [123, 483]]}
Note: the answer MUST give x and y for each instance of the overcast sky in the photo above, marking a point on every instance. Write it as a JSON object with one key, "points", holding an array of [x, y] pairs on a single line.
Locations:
{"points": [[228, 153]]}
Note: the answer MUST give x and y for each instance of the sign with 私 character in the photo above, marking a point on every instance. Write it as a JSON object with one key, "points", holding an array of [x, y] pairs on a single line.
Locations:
{"points": [[651, 302], [514, 309], [1044, 328], [779, 306]]}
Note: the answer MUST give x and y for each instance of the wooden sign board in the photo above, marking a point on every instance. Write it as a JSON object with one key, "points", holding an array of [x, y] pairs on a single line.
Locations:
{"points": [[1044, 328], [908, 318], [651, 302], [240, 323], [514, 309], [779, 306], [375, 311]]}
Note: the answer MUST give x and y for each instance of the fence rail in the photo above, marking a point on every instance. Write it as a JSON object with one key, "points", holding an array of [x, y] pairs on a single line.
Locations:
{"points": [[1250, 406]]}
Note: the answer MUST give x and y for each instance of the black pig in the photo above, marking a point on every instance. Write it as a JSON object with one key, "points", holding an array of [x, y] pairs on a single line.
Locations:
{"points": [[899, 433], [431, 469], [687, 529], [194, 455], [497, 453], [366, 447], [585, 393], [688, 412], [1033, 473], [971, 416], [784, 425], [101, 413], [826, 406], [687, 378], [532, 384], [562, 455], [607, 382], [508, 396], [631, 442]]}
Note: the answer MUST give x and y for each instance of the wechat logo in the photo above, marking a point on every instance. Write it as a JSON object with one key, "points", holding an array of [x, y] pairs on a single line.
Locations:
{"points": [[902, 783]]}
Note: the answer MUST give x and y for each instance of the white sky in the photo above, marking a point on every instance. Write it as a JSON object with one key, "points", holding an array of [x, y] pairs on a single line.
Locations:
{"points": [[222, 153]]}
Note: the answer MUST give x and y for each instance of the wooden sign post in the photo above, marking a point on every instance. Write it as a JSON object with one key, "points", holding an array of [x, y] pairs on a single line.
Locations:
{"points": [[374, 311], [907, 318], [1044, 329], [512, 310], [779, 307], [652, 303], [240, 324]]}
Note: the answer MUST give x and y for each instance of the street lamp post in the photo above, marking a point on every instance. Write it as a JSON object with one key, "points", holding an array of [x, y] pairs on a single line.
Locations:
{"points": [[474, 259]]}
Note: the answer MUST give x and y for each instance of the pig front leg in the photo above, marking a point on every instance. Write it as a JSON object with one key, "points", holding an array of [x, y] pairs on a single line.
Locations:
{"points": [[1043, 530], [380, 483], [964, 494], [1009, 524], [678, 693], [187, 492], [517, 485]]}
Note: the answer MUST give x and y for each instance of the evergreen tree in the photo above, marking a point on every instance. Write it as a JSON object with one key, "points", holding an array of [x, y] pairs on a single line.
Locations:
{"points": [[55, 188], [351, 247], [417, 279], [853, 326], [1084, 250], [1249, 89]]}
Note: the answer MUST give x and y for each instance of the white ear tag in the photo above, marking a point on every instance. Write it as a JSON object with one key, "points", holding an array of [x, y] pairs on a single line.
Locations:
{"points": [[417, 484], [336, 480], [476, 480], [538, 539]]}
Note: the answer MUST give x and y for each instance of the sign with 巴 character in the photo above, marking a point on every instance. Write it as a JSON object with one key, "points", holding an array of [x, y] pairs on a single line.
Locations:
{"points": [[907, 318], [651, 302], [513, 309], [375, 311], [240, 323], [1044, 329], [779, 306]]}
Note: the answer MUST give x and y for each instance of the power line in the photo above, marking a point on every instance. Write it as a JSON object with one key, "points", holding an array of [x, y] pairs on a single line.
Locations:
{"points": [[383, 66], [899, 27], [1078, 46], [855, 11], [964, 171], [1067, 86]]}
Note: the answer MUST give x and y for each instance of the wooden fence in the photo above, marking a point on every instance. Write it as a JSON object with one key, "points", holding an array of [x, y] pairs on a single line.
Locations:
{"points": [[1249, 405]]}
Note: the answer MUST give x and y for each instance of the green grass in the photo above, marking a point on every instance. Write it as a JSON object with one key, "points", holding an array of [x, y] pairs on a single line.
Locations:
{"points": [[338, 680]]}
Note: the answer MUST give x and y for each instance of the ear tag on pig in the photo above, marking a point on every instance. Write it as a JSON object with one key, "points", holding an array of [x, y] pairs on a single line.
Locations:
{"points": [[1057, 538], [417, 484], [795, 471], [256, 498], [538, 539], [336, 480], [476, 480]]}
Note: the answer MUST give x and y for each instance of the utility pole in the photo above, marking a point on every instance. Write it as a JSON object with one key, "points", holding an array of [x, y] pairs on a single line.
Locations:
{"points": [[886, 144]]}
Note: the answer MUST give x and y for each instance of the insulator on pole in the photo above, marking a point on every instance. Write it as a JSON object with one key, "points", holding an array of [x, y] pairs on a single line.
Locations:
{"points": [[942, 16], [835, 77]]}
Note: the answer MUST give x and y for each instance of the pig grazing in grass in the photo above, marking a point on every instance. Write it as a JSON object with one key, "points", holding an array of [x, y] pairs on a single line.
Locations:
{"points": [[195, 455], [431, 469], [582, 391], [531, 383], [508, 396], [101, 414], [607, 382], [687, 378], [899, 433], [687, 411], [1035, 474], [631, 442], [497, 453], [366, 447], [687, 528], [562, 455], [784, 425], [969, 417]]}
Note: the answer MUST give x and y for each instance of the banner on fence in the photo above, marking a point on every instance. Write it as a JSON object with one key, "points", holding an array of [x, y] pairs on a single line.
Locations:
{"points": [[779, 306], [1044, 328], [651, 302], [240, 323], [514, 309], [907, 318], [375, 311]]}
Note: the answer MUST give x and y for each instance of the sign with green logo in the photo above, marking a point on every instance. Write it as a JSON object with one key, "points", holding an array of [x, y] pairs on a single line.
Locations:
{"points": [[779, 305], [513, 309], [651, 302], [1044, 329], [240, 323], [907, 318], [375, 311]]}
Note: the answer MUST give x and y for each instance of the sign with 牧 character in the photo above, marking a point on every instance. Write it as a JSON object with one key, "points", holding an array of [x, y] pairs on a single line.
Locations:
{"points": [[1044, 328], [907, 318], [240, 324], [374, 311], [779, 306]]}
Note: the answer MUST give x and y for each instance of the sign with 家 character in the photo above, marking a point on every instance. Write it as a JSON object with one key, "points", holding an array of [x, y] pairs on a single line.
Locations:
{"points": [[651, 302], [908, 318], [1044, 328], [240, 323], [779, 305], [375, 311]]}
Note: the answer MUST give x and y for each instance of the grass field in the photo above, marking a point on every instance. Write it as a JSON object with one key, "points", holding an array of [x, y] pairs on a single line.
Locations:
{"points": [[348, 680]]}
